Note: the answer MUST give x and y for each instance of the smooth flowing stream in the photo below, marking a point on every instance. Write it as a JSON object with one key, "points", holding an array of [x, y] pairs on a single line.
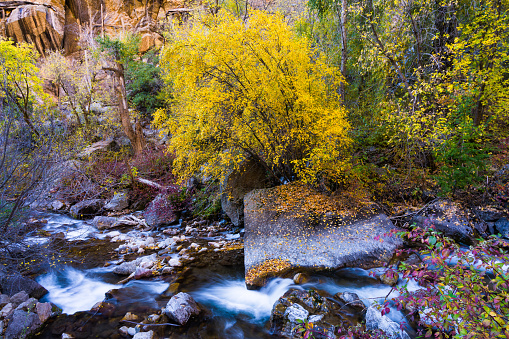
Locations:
{"points": [[233, 311]]}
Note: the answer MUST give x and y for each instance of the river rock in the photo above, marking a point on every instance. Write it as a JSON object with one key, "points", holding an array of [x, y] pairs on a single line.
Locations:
{"points": [[488, 213], [4, 300], [390, 279], [300, 278], [27, 306], [141, 272], [12, 284], [375, 320], [102, 222], [125, 268], [19, 298], [502, 226], [7, 310], [130, 317], [352, 300], [98, 147], [22, 325], [449, 218], [181, 308], [160, 212], [119, 202], [86, 208], [57, 205], [278, 228], [124, 330], [144, 335], [299, 305], [249, 176], [43, 311]]}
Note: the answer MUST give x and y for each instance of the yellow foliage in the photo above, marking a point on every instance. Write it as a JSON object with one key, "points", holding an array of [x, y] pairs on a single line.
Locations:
{"points": [[252, 89], [19, 79]]}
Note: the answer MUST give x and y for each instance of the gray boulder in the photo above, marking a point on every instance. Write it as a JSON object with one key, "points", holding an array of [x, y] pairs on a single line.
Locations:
{"points": [[488, 213], [98, 147], [87, 208], [119, 202], [251, 175], [125, 268], [22, 325], [502, 226], [181, 308], [160, 212], [102, 222], [58, 205], [448, 218], [12, 284], [375, 320], [144, 335], [288, 232], [44, 311], [352, 300], [19, 298]]}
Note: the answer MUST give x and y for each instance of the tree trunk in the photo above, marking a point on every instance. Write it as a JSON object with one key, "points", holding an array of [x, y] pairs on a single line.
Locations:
{"points": [[135, 135], [343, 49]]}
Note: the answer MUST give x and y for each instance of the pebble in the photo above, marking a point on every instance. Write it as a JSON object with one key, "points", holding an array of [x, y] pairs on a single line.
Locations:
{"points": [[124, 330], [129, 317], [153, 318], [175, 262]]}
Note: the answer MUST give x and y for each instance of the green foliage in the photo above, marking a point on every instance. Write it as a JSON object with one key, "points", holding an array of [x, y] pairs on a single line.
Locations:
{"points": [[207, 203], [144, 84], [253, 90], [122, 49], [461, 155]]}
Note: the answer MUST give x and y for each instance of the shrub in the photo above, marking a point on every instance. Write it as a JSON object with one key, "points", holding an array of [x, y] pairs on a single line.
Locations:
{"points": [[465, 293], [255, 90]]}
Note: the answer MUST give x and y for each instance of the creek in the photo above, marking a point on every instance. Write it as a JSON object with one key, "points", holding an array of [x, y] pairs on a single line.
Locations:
{"points": [[232, 311]]}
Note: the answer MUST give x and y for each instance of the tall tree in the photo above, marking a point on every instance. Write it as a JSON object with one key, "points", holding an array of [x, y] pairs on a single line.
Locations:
{"points": [[121, 51]]}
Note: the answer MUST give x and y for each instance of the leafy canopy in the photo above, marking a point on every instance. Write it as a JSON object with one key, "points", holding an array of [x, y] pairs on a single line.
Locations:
{"points": [[255, 90]]}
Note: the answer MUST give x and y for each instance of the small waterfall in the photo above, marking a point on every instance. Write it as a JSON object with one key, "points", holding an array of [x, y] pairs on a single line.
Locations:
{"points": [[73, 290], [231, 297]]}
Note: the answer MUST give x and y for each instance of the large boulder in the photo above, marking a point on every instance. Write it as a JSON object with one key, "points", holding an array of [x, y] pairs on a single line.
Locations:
{"points": [[449, 218], [251, 175], [87, 208], [294, 226], [375, 320], [22, 325], [502, 226], [181, 308], [160, 212], [119, 202], [102, 222], [297, 306], [14, 284], [97, 148]]}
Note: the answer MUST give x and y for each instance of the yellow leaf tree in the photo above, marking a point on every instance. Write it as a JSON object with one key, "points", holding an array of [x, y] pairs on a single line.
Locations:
{"points": [[19, 79], [252, 89]]}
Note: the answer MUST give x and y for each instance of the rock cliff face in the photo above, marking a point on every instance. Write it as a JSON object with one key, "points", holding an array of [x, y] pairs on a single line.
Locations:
{"points": [[58, 24]]}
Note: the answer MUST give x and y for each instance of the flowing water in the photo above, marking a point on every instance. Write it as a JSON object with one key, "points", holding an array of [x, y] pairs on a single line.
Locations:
{"points": [[232, 311]]}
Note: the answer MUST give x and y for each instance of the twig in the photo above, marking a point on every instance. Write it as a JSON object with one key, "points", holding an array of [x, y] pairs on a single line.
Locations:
{"points": [[417, 212], [142, 324]]}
